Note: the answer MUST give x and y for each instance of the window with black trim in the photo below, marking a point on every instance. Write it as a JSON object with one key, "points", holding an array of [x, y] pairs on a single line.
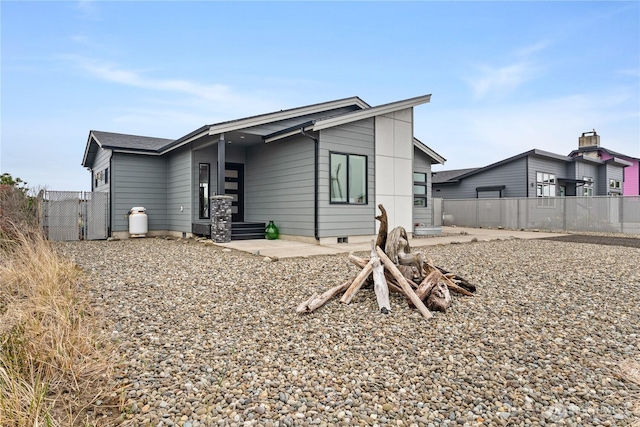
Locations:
{"points": [[203, 205], [420, 189], [106, 176], [348, 178]]}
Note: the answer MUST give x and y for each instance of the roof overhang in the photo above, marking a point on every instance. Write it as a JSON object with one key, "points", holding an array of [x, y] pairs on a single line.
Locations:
{"points": [[370, 112], [437, 158], [234, 125], [618, 161]]}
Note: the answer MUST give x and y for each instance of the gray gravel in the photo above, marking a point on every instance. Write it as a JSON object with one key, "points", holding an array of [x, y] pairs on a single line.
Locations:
{"points": [[210, 337]]}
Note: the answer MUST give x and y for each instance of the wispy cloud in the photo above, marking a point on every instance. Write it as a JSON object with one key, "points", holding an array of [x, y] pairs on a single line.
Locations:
{"points": [[183, 91], [108, 72], [504, 79], [88, 9], [501, 79]]}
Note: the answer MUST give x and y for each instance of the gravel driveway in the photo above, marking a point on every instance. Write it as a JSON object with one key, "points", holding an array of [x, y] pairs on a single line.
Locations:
{"points": [[210, 337]]}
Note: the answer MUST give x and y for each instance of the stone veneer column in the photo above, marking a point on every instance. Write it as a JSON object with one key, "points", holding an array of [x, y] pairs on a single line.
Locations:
{"points": [[221, 219]]}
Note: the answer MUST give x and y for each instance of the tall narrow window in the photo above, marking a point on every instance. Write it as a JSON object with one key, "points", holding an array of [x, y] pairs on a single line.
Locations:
{"points": [[420, 189], [203, 206], [348, 178]]}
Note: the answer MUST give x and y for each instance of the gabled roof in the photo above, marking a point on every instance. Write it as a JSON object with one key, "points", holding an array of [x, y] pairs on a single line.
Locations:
{"points": [[455, 176], [121, 142], [313, 117], [595, 148]]}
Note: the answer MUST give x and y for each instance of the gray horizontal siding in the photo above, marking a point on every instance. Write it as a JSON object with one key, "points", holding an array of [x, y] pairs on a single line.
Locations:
{"points": [[336, 220], [100, 164], [546, 165], [179, 190], [139, 181], [279, 185], [512, 175]]}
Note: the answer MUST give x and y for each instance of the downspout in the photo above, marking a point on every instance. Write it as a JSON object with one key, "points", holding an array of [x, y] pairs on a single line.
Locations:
{"points": [[316, 156]]}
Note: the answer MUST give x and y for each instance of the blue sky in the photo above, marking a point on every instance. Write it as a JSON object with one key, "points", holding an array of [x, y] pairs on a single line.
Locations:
{"points": [[505, 77]]}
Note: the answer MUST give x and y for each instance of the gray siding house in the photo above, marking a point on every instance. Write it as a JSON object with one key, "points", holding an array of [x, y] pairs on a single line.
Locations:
{"points": [[535, 173], [317, 171]]}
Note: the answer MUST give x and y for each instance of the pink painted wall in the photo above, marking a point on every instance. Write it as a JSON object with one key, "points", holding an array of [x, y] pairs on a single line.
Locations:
{"points": [[631, 186]]}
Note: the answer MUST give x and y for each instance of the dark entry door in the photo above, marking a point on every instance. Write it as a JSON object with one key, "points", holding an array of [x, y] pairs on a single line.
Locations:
{"points": [[234, 187]]}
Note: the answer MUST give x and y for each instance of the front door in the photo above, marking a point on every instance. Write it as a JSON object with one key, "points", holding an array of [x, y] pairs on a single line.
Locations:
{"points": [[234, 187]]}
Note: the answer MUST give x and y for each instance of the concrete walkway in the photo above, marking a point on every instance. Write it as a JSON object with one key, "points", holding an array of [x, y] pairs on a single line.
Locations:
{"points": [[291, 249]]}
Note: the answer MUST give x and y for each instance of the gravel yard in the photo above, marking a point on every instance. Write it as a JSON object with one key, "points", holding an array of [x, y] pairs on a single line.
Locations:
{"points": [[210, 337]]}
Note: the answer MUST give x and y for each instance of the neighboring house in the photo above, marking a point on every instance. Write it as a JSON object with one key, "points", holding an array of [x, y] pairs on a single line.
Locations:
{"points": [[534, 173], [589, 146], [317, 171]]}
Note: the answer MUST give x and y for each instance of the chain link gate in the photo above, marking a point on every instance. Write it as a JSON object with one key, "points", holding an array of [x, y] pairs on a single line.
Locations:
{"points": [[75, 215]]}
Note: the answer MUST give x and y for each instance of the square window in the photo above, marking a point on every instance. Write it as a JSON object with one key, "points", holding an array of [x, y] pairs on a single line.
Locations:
{"points": [[348, 178]]}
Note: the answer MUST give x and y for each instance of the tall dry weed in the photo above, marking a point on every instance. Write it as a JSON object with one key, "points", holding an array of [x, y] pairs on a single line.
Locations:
{"points": [[53, 361]]}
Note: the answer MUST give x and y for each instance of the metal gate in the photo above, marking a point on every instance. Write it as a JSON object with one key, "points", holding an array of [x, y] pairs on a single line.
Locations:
{"points": [[75, 215]]}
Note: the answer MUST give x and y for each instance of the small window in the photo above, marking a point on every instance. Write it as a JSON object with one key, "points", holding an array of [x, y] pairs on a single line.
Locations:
{"points": [[587, 189], [613, 183], [348, 178], [420, 189], [106, 176], [203, 205]]}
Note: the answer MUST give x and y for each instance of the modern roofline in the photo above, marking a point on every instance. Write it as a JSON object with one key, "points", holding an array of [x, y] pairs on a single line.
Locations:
{"points": [[232, 125], [428, 151], [370, 112], [606, 150]]}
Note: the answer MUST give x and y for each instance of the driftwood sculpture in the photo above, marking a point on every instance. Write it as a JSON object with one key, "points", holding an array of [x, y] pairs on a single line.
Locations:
{"points": [[397, 269]]}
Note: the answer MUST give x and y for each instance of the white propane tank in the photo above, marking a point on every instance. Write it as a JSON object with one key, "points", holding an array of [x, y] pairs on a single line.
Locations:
{"points": [[137, 222]]}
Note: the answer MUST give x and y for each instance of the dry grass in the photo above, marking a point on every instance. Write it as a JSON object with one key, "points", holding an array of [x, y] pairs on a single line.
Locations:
{"points": [[53, 363]]}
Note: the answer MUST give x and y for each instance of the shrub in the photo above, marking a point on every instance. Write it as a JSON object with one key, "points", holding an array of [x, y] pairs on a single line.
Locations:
{"points": [[54, 364]]}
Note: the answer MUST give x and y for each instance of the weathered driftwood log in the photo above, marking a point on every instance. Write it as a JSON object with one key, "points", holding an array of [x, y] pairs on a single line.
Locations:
{"points": [[357, 283], [379, 282], [424, 289], [397, 242], [384, 227], [403, 283], [316, 301], [460, 281], [439, 298], [434, 292], [391, 282]]}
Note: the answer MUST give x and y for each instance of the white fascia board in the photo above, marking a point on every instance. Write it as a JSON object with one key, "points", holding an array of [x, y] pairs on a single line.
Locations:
{"points": [[284, 115], [126, 151], [86, 149], [429, 152], [370, 112]]}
